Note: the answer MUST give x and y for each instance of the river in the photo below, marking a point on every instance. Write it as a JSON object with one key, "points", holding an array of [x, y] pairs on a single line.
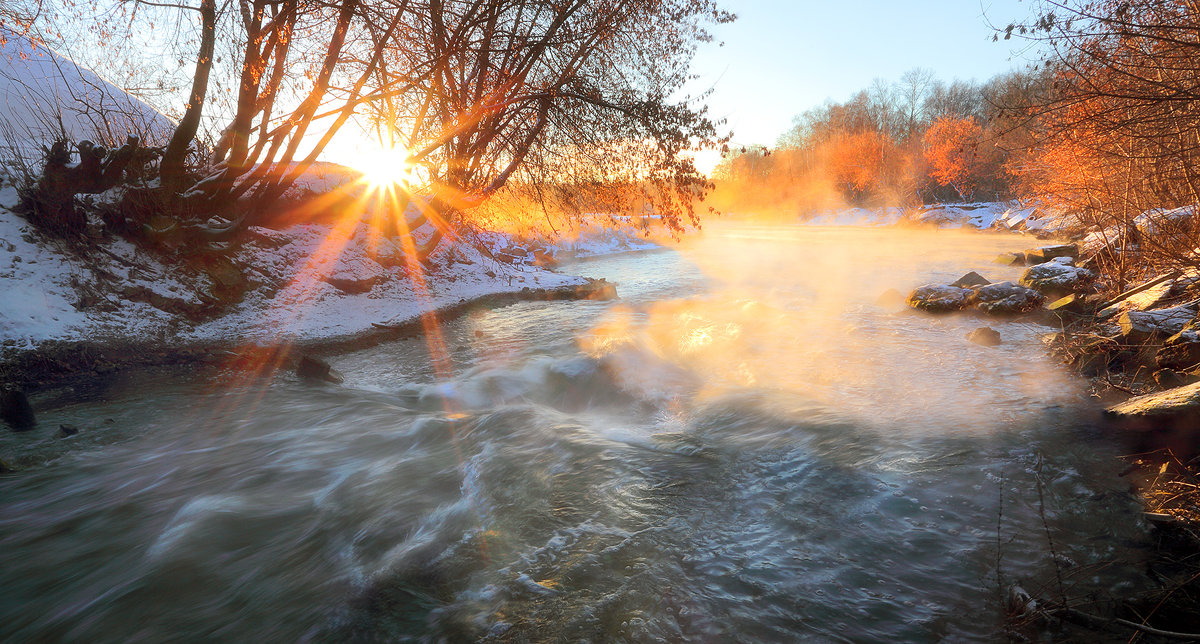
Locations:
{"points": [[743, 447]]}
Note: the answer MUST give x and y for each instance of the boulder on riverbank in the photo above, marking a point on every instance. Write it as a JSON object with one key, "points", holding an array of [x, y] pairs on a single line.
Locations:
{"points": [[1045, 254], [1006, 298], [1169, 418], [1075, 306], [1179, 401], [1180, 351], [1139, 327], [1058, 277]]}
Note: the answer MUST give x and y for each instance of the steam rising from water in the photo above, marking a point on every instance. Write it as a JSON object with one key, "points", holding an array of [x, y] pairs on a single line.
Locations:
{"points": [[796, 320], [746, 447]]}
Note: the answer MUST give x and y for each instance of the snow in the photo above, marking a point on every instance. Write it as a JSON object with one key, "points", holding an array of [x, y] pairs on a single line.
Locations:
{"points": [[1151, 222], [37, 87], [308, 282], [983, 216], [317, 265], [595, 239], [1056, 274], [1166, 321], [34, 299]]}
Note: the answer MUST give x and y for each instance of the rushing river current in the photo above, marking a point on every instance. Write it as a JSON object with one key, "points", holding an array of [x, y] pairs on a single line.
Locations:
{"points": [[744, 447]]}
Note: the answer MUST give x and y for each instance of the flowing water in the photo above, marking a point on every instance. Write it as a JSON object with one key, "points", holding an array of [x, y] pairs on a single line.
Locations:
{"points": [[744, 447]]}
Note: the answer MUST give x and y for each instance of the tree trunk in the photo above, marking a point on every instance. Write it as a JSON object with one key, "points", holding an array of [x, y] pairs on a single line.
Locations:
{"points": [[171, 171]]}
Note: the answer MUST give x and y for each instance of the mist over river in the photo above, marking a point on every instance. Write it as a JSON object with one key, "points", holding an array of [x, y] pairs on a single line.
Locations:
{"points": [[743, 447]]}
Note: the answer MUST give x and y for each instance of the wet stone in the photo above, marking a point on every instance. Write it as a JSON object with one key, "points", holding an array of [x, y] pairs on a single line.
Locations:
{"points": [[890, 298], [985, 336], [1006, 298], [1011, 259], [311, 368], [969, 280], [15, 409], [934, 298]]}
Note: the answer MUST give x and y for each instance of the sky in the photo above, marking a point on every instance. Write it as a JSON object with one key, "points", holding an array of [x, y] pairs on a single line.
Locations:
{"points": [[782, 57]]}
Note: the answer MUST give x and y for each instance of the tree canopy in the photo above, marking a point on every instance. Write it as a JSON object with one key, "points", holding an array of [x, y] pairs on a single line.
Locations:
{"points": [[567, 106]]}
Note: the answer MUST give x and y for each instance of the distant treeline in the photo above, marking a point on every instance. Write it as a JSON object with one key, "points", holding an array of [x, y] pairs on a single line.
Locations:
{"points": [[1103, 131], [917, 140]]}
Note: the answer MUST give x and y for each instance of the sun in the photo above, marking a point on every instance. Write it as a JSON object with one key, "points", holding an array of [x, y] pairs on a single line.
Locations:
{"points": [[382, 166]]}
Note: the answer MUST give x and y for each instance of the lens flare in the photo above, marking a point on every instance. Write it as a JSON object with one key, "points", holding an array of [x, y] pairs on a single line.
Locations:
{"points": [[384, 167]]}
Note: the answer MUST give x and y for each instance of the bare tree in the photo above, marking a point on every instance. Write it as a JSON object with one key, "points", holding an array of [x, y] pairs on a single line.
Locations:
{"points": [[571, 105], [1118, 136], [565, 105], [914, 88]]}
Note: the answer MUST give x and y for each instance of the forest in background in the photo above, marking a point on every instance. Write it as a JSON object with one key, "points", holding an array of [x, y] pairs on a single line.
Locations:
{"points": [[917, 140], [1103, 131]]}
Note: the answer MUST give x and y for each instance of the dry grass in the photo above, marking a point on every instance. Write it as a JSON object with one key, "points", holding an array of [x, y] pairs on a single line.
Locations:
{"points": [[1171, 489]]}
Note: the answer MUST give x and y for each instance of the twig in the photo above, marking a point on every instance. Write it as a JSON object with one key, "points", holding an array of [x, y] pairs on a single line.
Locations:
{"points": [[1149, 630], [999, 549], [1108, 379], [1037, 474]]}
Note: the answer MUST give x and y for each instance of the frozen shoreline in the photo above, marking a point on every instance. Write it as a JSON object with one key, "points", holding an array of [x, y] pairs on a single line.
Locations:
{"points": [[306, 286], [987, 215]]}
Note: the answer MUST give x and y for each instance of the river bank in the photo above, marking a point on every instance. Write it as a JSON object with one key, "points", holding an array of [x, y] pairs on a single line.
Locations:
{"points": [[745, 426], [1140, 353]]}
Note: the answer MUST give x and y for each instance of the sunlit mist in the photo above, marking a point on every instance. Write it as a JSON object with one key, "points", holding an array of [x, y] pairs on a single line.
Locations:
{"points": [[793, 317]]}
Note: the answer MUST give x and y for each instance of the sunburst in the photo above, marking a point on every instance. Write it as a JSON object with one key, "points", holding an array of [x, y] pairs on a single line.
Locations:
{"points": [[383, 167]]}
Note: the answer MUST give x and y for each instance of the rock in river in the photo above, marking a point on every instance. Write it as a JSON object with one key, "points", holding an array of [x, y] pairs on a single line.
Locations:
{"points": [[1011, 259], [937, 298], [15, 409], [890, 299], [1057, 277], [986, 336], [969, 280], [311, 368], [1006, 298]]}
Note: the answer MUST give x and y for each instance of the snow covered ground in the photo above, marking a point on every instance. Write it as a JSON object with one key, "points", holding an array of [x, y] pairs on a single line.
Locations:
{"points": [[307, 282], [41, 91], [993, 215]]}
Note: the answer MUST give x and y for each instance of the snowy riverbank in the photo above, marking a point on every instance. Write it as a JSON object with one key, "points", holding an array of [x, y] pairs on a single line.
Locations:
{"points": [[987, 215], [306, 284]]}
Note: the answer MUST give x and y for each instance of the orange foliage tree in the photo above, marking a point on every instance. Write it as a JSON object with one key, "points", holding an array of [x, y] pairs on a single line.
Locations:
{"points": [[958, 155], [1117, 141], [854, 160]]}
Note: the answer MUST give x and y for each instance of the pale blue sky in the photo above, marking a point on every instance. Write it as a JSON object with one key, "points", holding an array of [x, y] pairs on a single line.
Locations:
{"points": [[782, 57]]}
